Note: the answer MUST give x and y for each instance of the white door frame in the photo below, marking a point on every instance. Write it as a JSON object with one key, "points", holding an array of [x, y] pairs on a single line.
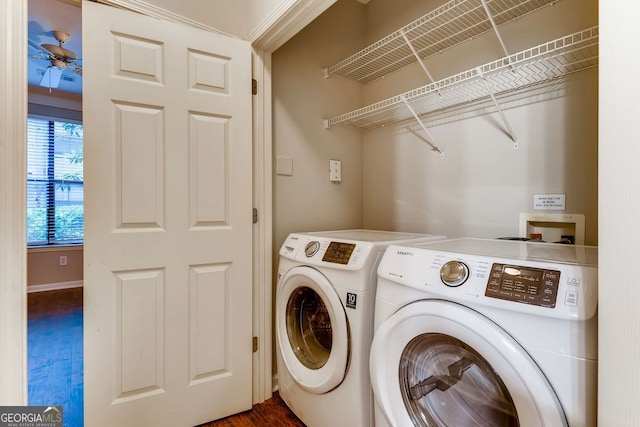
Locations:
{"points": [[13, 245], [262, 232]]}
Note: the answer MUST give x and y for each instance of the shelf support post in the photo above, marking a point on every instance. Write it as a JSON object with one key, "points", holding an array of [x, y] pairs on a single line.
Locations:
{"points": [[495, 102], [424, 128], [415, 53], [495, 27]]}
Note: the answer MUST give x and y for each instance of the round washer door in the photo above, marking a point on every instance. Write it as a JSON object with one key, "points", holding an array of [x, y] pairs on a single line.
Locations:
{"points": [[312, 330], [438, 363]]}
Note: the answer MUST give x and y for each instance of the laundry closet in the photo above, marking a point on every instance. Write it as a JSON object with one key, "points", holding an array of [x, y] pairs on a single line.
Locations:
{"points": [[468, 169]]}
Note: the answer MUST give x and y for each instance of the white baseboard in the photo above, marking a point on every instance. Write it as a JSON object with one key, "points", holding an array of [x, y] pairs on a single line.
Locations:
{"points": [[54, 286], [274, 383]]}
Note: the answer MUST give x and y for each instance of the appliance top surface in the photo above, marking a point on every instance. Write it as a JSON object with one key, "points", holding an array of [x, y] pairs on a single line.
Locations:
{"points": [[372, 236], [522, 250]]}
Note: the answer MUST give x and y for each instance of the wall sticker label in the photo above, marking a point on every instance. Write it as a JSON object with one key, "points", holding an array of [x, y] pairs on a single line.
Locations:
{"points": [[553, 202]]}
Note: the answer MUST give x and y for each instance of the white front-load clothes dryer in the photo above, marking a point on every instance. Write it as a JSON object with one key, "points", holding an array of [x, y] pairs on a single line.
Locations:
{"points": [[479, 332], [324, 322]]}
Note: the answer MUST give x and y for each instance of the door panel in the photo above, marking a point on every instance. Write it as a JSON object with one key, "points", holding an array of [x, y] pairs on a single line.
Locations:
{"points": [[168, 256]]}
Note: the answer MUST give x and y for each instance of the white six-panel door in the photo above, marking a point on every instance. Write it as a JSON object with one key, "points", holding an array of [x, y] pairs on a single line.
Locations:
{"points": [[168, 282]]}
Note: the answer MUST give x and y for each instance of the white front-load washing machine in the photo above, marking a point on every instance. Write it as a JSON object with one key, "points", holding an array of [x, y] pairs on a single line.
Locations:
{"points": [[479, 332], [324, 322]]}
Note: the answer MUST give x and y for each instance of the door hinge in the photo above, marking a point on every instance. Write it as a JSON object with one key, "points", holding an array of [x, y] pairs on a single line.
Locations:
{"points": [[255, 215], [255, 344], [254, 86]]}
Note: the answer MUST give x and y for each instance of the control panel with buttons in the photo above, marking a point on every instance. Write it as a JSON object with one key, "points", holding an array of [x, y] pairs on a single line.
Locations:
{"points": [[516, 276]]}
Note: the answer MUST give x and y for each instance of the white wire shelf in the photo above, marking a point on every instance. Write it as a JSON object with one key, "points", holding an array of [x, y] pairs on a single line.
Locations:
{"points": [[537, 65], [452, 23]]}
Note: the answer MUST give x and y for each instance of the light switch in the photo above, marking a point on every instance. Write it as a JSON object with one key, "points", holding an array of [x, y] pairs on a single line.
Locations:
{"points": [[284, 165]]}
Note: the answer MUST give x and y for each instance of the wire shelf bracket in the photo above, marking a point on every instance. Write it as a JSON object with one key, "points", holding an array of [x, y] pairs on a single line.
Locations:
{"points": [[430, 141], [495, 27], [497, 104], [415, 53]]}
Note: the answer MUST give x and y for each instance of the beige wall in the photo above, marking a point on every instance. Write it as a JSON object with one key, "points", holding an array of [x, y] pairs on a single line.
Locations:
{"points": [[233, 21], [482, 184], [302, 97], [258, 10], [306, 200], [239, 18], [43, 266]]}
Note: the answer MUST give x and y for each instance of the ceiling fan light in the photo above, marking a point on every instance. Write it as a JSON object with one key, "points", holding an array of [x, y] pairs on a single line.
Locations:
{"points": [[61, 36], [51, 77], [59, 64]]}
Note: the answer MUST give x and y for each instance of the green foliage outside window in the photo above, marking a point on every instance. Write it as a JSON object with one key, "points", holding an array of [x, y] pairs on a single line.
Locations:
{"points": [[55, 201]]}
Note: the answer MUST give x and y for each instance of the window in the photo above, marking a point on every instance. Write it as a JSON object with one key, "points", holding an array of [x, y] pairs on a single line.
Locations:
{"points": [[55, 198]]}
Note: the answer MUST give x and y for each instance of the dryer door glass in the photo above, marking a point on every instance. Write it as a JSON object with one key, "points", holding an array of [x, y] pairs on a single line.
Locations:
{"points": [[309, 328], [445, 382]]}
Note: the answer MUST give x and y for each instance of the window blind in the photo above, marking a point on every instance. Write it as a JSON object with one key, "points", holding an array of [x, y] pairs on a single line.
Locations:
{"points": [[55, 198]]}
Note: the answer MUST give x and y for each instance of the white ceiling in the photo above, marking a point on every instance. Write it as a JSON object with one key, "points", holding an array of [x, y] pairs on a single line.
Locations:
{"points": [[46, 16]]}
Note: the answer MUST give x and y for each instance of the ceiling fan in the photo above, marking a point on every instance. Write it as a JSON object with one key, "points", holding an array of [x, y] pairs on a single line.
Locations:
{"points": [[60, 59]]}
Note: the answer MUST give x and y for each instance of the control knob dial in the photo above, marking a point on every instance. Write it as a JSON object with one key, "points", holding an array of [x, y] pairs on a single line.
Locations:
{"points": [[312, 248], [454, 273]]}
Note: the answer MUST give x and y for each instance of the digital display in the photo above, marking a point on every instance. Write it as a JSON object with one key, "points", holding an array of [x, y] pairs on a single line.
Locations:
{"points": [[523, 284], [339, 253], [526, 281]]}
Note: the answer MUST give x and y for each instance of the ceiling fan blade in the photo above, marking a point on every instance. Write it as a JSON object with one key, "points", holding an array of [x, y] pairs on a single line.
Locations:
{"points": [[38, 51], [54, 49], [34, 45], [60, 52], [51, 77], [68, 54]]}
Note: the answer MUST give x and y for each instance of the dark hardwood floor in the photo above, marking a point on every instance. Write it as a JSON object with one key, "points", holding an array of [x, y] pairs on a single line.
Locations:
{"points": [[55, 353], [271, 413], [56, 364]]}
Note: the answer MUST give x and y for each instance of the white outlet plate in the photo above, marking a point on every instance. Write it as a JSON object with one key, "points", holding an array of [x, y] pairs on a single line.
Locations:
{"points": [[335, 171], [63, 260]]}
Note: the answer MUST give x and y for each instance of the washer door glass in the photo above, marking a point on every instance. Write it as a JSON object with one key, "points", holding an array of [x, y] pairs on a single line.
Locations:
{"points": [[312, 330], [309, 327], [444, 382]]}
